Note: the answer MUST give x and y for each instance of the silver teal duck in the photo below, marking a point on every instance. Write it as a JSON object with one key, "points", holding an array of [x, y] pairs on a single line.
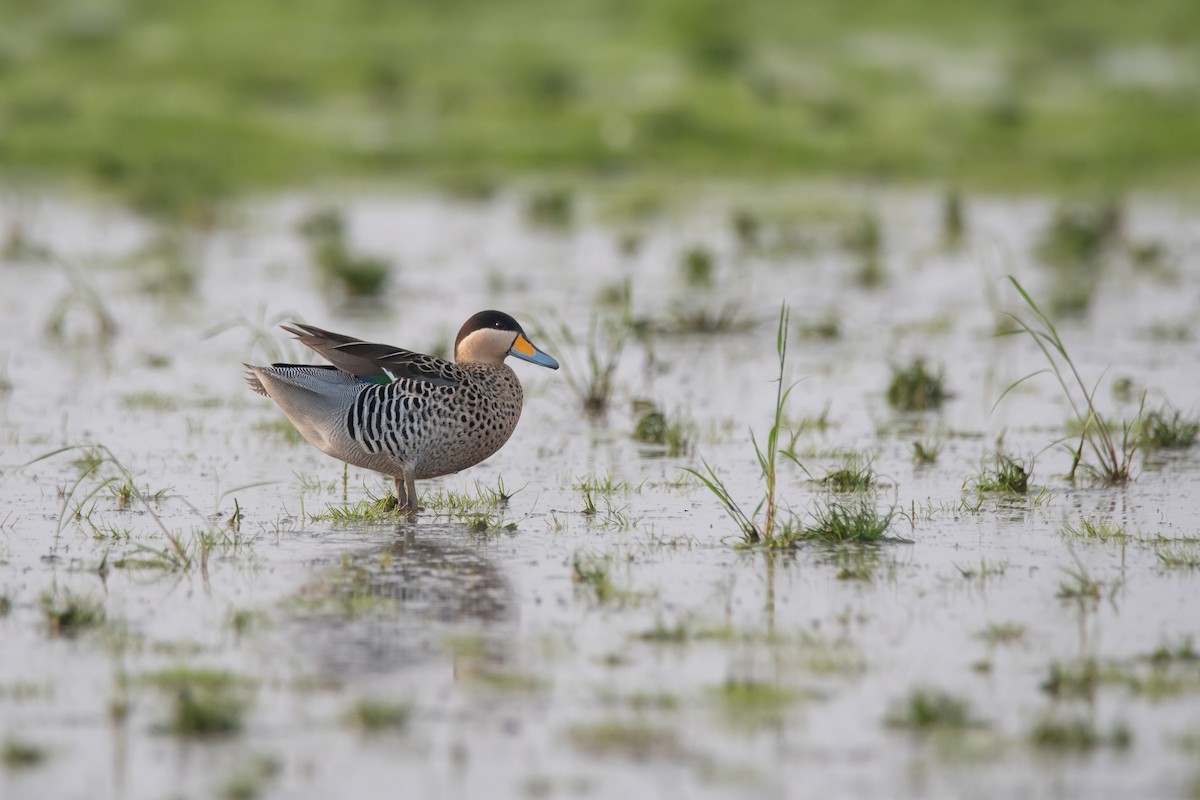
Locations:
{"points": [[408, 415]]}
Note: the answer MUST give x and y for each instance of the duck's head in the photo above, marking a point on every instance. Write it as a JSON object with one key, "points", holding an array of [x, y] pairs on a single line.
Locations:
{"points": [[490, 336]]}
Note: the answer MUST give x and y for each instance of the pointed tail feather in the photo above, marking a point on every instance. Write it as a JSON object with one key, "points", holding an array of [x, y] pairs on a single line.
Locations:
{"points": [[252, 379]]}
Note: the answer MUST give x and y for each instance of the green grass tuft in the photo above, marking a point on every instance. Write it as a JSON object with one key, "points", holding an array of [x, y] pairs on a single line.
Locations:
{"points": [[594, 382], [280, 427], [550, 207], [1080, 235], [926, 453], [606, 484], [205, 702], [148, 400], [1001, 474], [673, 434], [487, 522], [369, 509], [1074, 245], [1095, 530], [754, 704], [1168, 671], [1184, 651], [864, 238], [593, 574], [357, 277], [697, 264], [954, 225], [1003, 632], [1073, 680], [662, 634], [916, 388], [637, 741], [1078, 736], [826, 328], [747, 227], [835, 522], [1178, 558], [855, 563], [20, 754], [378, 715], [688, 319], [68, 614], [1079, 585], [1169, 430], [927, 710], [250, 780], [486, 503], [856, 474]]}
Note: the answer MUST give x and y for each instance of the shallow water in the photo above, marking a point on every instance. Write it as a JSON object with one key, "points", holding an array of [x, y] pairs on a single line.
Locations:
{"points": [[523, 680]]}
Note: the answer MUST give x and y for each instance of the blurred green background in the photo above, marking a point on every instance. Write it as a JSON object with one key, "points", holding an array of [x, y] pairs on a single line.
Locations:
{"points": [[176, 104]]}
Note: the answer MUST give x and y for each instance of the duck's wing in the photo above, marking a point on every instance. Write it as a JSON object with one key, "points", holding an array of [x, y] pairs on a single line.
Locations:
{"points": [[378, 363]]}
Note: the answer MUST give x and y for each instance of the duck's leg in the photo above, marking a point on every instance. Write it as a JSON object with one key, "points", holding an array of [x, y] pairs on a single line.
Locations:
{"points": [[410, 489], [401, 498]]}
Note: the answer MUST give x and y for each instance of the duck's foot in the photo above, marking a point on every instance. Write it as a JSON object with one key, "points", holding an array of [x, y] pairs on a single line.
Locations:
{"points": [[406, 497]]}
